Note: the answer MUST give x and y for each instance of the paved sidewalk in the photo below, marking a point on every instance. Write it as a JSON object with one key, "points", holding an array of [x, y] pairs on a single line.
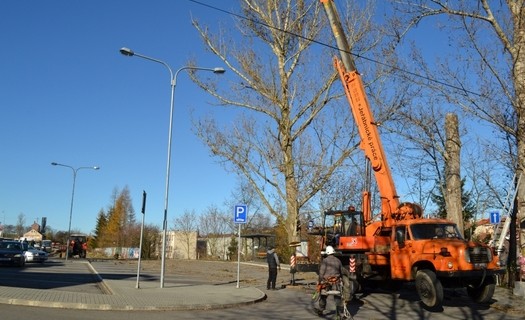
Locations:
{"points": [[123, 295], [507, 301]]}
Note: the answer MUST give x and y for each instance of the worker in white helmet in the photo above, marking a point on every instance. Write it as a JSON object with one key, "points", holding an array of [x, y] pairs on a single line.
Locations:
{"points": [[330, 275]]}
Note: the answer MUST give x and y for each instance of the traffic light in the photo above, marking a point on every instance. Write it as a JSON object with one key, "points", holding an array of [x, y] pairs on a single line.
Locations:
{"points": [[298, 225]]}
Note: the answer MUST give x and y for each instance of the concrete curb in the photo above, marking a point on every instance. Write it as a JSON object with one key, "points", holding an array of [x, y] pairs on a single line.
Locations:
{"points": [[143, 302], [101, 284]]}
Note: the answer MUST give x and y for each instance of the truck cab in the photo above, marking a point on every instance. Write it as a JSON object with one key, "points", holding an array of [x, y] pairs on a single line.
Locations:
{"points": [[433, 251]]}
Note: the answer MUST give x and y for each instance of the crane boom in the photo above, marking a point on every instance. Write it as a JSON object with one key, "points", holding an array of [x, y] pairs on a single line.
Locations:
{"points": [[370, 140], [403, 246], [339, 34]]}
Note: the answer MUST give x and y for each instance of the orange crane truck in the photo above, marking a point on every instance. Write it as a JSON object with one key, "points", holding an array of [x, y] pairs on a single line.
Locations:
{"points": [[402, 246]]}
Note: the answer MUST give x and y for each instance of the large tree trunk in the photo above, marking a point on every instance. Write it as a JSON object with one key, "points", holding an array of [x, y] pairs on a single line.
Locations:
{"points": [[520, 137], [518, 77], [452, 195], [512, 265]]}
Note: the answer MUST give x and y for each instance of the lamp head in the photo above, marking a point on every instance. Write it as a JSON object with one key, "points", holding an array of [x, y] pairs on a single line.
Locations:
{"points": [[96, 168], [54, 163], [219, 70], [127, 51]]}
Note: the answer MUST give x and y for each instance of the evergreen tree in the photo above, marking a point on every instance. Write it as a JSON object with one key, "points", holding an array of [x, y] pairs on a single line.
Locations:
{"points": [[469, 208], [102, 222], [232, 248]]}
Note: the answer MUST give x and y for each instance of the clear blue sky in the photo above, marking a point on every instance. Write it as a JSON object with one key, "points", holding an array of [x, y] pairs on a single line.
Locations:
{"points": [[67, 95]]}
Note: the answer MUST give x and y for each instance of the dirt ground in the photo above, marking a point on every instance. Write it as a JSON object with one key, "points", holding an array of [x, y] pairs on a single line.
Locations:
{"points": [[251, 273]]}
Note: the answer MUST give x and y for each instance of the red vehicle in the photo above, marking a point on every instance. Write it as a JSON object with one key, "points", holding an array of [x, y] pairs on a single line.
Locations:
{"points": [[403, 246], [78, 245]]}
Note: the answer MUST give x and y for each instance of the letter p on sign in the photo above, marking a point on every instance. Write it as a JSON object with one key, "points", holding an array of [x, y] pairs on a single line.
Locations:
{"points": [[240, 213]]}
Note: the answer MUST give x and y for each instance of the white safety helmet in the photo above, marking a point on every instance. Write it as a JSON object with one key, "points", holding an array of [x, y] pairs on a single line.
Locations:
{"points": [[330, 250]]}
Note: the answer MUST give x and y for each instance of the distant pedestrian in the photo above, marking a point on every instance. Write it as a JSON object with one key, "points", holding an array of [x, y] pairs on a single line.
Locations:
{"points": [[273, 264]]}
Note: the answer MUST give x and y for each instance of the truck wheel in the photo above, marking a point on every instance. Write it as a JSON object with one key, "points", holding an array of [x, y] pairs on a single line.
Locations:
{"points": [[483, 293], [429, 288]]}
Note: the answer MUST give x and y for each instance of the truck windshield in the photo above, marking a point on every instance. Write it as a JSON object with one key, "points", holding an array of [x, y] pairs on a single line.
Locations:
{"points": [[434, 231]]}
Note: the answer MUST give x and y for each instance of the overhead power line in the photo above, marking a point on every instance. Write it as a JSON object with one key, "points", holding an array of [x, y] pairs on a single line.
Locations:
{"points": [[466, 92]]}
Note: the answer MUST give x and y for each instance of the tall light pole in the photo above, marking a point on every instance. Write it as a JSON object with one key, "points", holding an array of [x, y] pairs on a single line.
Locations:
{"points": [[173, 80], [75, 170]]}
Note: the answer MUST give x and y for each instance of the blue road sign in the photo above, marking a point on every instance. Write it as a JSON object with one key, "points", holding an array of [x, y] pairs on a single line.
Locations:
{"points": [[494, 217], [241, 211]]}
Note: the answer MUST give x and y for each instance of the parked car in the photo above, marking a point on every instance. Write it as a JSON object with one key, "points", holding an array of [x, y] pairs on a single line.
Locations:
{"points": [[47, 245], [12, 252], [32, 254]]}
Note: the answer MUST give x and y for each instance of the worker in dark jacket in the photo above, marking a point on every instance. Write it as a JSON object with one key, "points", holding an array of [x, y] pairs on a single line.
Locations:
{"points": [[273, 264], [330, 275]]}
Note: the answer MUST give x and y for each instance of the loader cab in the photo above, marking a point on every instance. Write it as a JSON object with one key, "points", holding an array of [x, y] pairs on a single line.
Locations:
{"points": [[342, 223]]}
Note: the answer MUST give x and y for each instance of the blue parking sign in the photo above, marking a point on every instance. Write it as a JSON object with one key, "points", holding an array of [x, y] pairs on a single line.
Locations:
{"points": [[240, 213]]}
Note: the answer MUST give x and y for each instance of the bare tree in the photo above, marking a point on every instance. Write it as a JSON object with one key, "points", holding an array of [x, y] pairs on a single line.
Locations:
{"points": [[258, 216], [480, 171], [214, 223], [186, 229], [420, 125], [20, 224], [292, 135], [485, 73]]}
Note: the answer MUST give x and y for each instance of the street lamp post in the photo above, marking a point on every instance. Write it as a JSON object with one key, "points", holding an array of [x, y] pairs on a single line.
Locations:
{"points": [[75, 170], [173, 80]]}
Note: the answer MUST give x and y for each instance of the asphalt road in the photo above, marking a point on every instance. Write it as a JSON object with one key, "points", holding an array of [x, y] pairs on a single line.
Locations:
{"points": [[53, 274], [289, 303], [283, 304]]}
